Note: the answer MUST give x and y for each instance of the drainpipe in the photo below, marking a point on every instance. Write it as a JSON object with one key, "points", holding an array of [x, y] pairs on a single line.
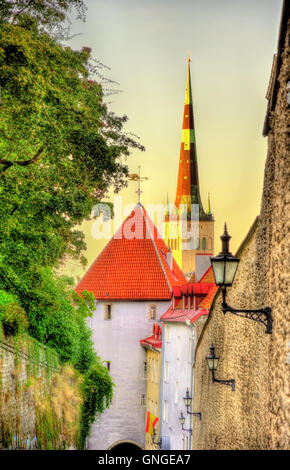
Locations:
{"points": [[193, 333], [161, 385]]}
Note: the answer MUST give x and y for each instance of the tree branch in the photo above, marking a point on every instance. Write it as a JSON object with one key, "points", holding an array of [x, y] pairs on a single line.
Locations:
{"points": [[7, 163]]}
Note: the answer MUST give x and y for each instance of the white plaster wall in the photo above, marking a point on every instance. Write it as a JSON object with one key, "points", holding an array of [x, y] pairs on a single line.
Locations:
{"points": [[117, 340], [180, 370]]}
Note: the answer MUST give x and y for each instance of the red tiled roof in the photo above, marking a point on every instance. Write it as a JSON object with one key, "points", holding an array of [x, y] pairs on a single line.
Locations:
{"points": [[207, 301], [208, 276], [181, 315], [133, 264], [155, 340]]}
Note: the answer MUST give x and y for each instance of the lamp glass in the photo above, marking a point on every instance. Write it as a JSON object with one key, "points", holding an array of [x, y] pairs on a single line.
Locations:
{"points": [[218, 266], [182, 419], [212, 362], [230, 271], [187, 399]]}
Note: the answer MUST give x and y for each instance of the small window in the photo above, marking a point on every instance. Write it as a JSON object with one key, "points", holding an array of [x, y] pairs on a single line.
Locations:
{"points": [[143, 400], [108, 312], [166, 371], [203, 244], [145, 370], [108, 365], [152, 312], [178, 346], [167, 333], [165, 411]]}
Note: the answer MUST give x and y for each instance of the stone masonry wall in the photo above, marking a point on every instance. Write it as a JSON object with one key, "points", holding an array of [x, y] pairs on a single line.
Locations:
{"points": [[17, 408], [256, 415]]}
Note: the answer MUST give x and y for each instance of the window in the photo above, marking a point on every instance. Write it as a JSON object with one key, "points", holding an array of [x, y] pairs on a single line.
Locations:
{"points": [[178, 347], [176, 393], [152, 312], [108, 365], [210, 243], [166, 371], [167, 333], [143, 400], [203, 244], [183, 442], [145, 370], [108, 312], [165, 411]]}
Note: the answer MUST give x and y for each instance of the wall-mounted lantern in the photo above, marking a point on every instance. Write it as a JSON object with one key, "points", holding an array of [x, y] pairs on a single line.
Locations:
{"points": [[158, 442], [224, 267], [212, 362], [187, 401], [182, 422]]}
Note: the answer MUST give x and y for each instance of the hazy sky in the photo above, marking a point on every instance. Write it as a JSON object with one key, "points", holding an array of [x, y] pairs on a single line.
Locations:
{"points": [[231, 42]]}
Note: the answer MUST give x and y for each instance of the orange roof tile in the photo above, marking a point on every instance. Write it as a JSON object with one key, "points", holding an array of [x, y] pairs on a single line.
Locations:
{"points": [[133, 264], [208, 276]]}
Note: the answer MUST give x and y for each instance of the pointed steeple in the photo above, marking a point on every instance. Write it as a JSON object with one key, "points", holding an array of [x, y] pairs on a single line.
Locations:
{"points": [[208, 205], [188, 184]]}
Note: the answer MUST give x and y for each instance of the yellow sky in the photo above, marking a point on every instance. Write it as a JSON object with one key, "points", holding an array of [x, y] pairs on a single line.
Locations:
{"points": [[231, 43]]}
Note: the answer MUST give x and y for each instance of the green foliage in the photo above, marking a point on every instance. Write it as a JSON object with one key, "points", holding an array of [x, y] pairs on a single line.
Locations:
{"points": [[12, 317], [97, 394], [61, 150], [46, 12]]}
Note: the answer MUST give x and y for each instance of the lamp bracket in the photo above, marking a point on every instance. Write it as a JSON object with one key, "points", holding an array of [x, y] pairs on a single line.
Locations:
{"points": [[262, 315], [230, 382], [158, 443], [194, 414], [187, 430]]}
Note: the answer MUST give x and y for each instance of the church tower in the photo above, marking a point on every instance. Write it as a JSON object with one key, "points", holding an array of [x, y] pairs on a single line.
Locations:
{"points": [[190, 235]]}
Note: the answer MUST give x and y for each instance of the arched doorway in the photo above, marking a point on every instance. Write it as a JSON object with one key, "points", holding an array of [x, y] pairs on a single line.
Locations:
{"points": [[125, 446]]}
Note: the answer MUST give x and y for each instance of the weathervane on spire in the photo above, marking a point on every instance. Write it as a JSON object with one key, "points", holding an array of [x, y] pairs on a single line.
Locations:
{"points": [[139, 178]]}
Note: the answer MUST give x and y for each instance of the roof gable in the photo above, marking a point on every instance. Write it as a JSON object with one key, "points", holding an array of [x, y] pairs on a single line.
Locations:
{"points": [[133, 264]]}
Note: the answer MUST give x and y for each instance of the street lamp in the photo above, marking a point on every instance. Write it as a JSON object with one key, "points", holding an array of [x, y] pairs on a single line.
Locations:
{"points": [[182, 421], [224, 267], [159, 442], [187, 401], [212, 362]]}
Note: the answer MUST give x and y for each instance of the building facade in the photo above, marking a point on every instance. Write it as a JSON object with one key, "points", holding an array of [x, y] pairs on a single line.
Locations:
{"points": [[152, 374], [132, 281], [182, 323]]}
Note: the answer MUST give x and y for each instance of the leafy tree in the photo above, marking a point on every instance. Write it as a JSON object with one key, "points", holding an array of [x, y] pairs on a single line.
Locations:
{"points": [[60, 151], [46, 12]]}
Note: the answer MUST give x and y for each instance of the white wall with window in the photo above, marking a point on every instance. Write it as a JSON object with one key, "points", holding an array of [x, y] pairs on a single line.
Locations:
{"points": [[177, 357]]}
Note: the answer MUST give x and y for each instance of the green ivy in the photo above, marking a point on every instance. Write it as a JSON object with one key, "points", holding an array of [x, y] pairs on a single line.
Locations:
{"points": [[97, 392]]}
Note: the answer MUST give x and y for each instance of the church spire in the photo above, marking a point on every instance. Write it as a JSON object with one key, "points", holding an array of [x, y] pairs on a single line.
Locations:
{"points": [[188, 184]]}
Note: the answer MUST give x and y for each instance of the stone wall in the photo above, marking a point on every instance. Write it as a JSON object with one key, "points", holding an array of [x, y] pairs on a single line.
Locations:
{"points": [[256, 415], [39, 401], [17, 407]]}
